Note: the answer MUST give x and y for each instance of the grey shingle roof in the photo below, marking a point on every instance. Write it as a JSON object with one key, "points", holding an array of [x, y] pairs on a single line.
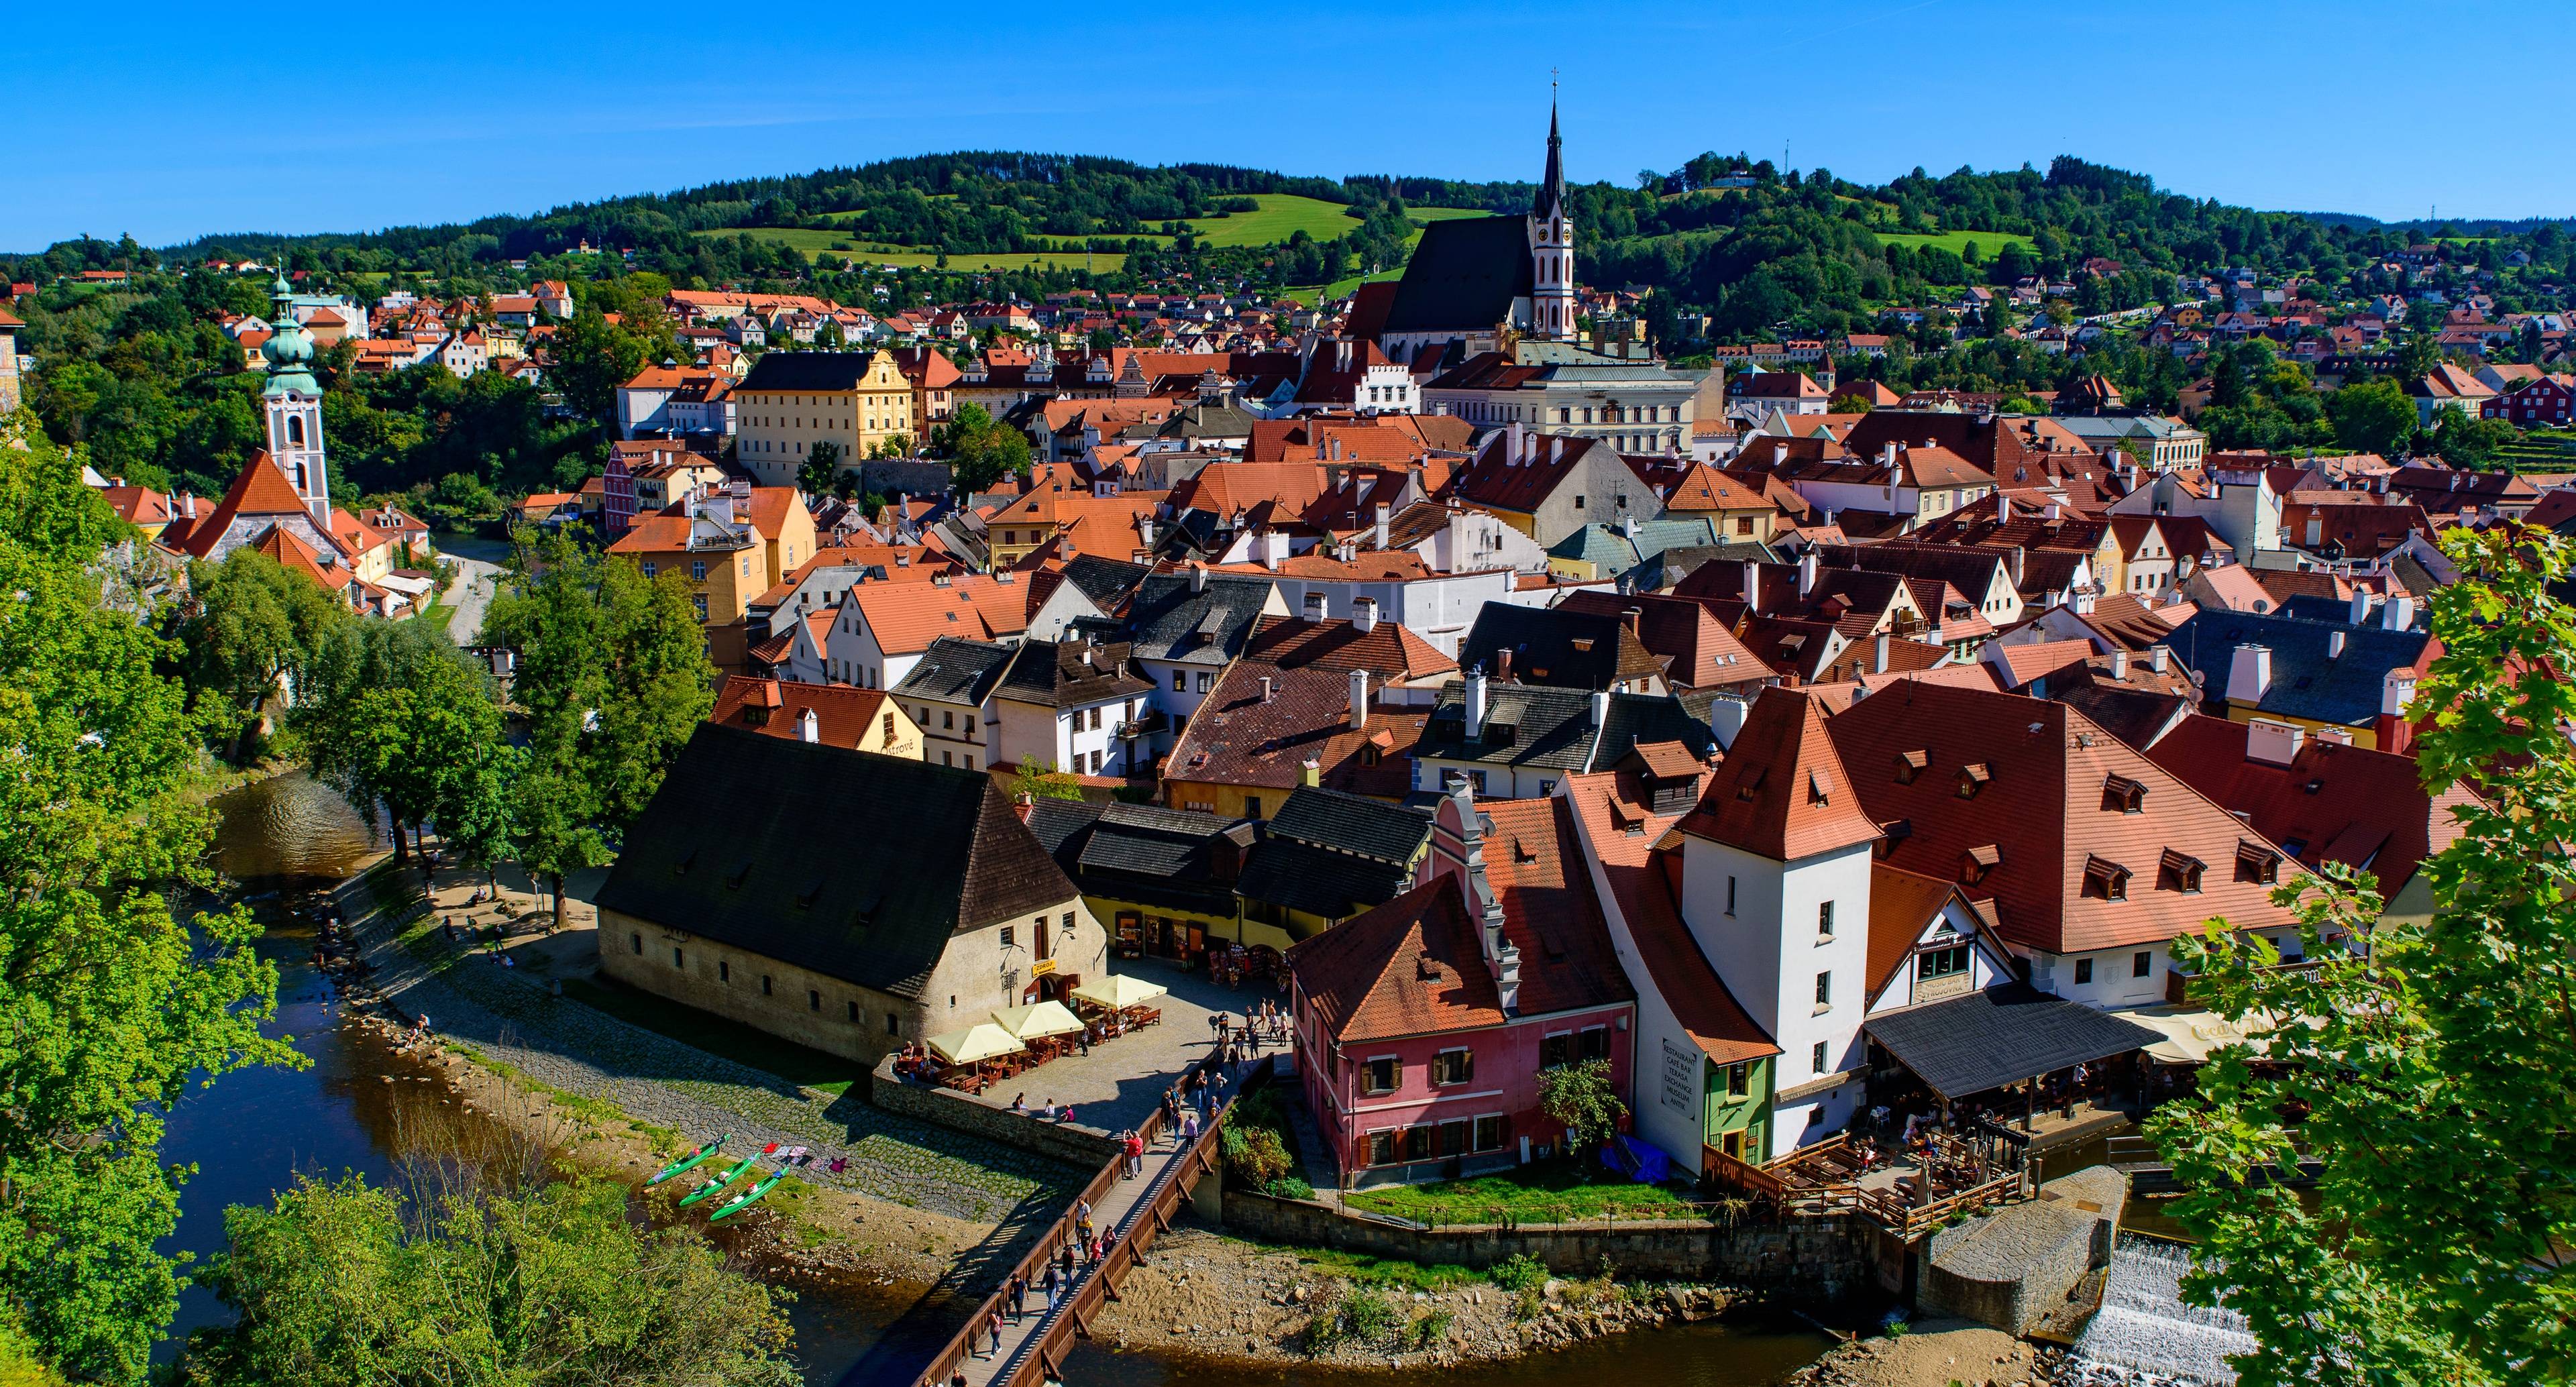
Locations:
{"points": [[1168, 621], [1056, 674], [1463, 276], [2306, 682], [2002, 1035], [956, 671], [1104, 581], [731, 849], [807, 371], [1351, 824], [1553, 728], [1319, 881]]}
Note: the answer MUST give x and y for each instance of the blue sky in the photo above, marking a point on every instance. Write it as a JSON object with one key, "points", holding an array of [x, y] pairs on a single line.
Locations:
{"points": [[359, 116]]}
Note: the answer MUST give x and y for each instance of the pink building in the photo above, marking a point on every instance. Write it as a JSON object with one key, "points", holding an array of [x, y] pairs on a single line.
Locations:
{"points": [[1423, 1025]]}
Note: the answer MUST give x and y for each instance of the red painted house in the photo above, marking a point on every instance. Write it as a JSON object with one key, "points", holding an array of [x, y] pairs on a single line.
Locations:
{"points": [[1423, 1025]]}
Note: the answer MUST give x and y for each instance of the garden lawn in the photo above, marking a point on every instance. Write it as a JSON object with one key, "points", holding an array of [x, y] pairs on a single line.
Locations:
{"points": [[1550, 1192]]}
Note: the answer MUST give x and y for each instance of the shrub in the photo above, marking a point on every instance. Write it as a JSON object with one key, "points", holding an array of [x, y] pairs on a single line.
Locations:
{"points": [[1518, 1272], [1367, 1315], [1289, 1187], [1430, 1331]]}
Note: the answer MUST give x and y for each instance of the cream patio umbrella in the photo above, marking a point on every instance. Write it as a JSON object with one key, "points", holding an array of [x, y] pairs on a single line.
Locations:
{"points": [[975, 1044], [1043, 1019], [1118, 992]]}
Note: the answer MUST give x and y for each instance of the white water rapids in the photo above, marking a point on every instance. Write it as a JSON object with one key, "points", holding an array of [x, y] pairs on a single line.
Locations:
{"points": [[2145, 1336]]}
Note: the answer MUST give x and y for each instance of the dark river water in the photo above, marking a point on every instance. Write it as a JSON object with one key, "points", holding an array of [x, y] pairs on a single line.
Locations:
{"points": [[255, 1132]]}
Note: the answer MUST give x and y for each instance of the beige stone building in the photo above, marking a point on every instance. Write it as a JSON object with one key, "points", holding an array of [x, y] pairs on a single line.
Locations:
{"points": [[793, 401], [846, 901]]}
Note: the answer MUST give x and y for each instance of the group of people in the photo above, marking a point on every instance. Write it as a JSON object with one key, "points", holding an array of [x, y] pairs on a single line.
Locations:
{"points": [[1046, 1111]]}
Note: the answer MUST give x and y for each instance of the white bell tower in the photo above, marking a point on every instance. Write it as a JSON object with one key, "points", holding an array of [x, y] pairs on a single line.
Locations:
{"points": [[292, 401], [1551, 237]]}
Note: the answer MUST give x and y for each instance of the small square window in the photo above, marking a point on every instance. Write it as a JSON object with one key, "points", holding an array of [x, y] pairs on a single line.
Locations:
{"points": [[854, 1011], [2140, 962], [893, 1027], [1825, 922], [2083, 971], [1381, 1076]]}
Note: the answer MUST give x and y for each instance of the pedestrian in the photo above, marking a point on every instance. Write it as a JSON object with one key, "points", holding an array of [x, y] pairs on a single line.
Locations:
{"points": [[993, 1322], [1019, 1296], [1135, 1152], [1189, 1128], [1047, 1284]]}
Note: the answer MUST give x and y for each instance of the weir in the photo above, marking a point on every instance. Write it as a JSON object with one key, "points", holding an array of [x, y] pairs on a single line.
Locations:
{"points": [[2145, 1334]]}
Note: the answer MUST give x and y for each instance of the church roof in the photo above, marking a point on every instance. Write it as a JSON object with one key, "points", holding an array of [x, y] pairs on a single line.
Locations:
{"points": [[1551, 184], [261, 489], [1463, 277]]}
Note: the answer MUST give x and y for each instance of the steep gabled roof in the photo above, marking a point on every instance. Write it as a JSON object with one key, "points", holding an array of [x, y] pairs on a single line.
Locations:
{"points": [[1463, 276], [727, 851], [1549, 910], [1783, 794], [260, 490], [773, 707], [1413, 966]]}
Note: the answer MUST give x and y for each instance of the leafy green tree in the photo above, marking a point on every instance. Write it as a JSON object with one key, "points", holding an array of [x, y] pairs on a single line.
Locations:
{"points": [[983, 450], [253, 624], [389, 712], [820, 473], [347, 1285], [2472, 443], [478, 813], [613, 676], [1039, 778], [592, 358], [2431, 1071], [110, 1006], [1582, 1097], [2372, 417]]}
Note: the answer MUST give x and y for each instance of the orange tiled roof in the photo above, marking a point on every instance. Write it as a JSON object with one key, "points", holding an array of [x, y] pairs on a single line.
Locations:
{"points": [[906, 617], [1784, 794]]}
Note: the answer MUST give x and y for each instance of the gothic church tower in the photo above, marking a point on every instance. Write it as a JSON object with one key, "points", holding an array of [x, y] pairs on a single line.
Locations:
{"points": [[1551, 238]]}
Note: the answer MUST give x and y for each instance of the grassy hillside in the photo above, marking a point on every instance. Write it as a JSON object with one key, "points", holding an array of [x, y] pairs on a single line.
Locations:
{"points": [[1989, 243]]}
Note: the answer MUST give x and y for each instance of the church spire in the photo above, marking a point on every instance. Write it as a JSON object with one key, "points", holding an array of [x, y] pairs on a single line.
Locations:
{"points": [[1551, 185]]}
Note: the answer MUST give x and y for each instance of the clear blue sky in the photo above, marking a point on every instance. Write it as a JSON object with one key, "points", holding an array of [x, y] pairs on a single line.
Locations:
{"points": [[356, 116]]}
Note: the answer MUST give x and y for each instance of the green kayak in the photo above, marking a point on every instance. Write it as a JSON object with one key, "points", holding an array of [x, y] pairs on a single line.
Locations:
{"points": [[690, 1162], [744, 1200], [721, 1180]]}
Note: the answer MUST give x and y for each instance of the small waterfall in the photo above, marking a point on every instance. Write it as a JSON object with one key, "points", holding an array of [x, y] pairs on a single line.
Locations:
{"points": [[2145, 1336]]}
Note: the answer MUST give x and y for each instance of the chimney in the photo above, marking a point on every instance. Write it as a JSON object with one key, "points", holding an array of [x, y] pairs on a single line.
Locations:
{"points": [[2158, 658], [1515, 445], [2249, 673], [1752, 588], [809, 728], [2081, 599], [2003, 509], [1314, 606], [1600, 707], [1265, 688], [1627, 527], [1310, 772], [2275, 743], [2398, 613], [1024, 805], [1273, 545], [1807, 572], [2360, 607], [1878, 657], [1377, 535], [1503, 666], [2119, 664], [1887, 454], [1198, 577], [1633, 618], [1145, 531], [1364, 614], [2334, 645], [1359, 699], [2395, 692], [1475, 705]]}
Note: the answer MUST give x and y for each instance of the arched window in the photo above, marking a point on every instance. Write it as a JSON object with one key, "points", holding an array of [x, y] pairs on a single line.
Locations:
{"points": [[295, 431]]}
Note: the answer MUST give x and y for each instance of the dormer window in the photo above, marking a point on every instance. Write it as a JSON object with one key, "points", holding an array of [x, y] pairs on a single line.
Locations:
{"points": [[1892, 833], [2256, 862], [2105, 880], [2121, 795], [1973, 778], [1750, 785], [1819, 787], [2179, 872], [1976, 862], [1910, 764]]}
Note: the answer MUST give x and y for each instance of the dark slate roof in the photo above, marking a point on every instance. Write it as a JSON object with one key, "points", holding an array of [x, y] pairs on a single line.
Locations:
{"points": [[807, 371], [1142, 853], [1167, 621], [2002, 1035], [1055, 674], [1348, 823], [1463, 276], [854, 865], [1547, 645], [953, 670], [1063, 826], [1554, 728], [2306, 683], [1319, 881], [1105, 581]]}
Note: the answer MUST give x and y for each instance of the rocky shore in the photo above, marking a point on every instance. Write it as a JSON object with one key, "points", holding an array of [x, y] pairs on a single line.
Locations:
{"points": [[1219, 1298]]}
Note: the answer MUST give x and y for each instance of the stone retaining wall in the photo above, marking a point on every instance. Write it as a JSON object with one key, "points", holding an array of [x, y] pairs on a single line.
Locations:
{"points": [[1823, 1258], [1084, 1148], [2014, 1267]]}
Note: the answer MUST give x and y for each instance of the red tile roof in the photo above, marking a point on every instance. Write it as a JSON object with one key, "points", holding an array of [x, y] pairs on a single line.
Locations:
{"points": [[1390, 651], [1783, 793], [905, 618], [261, 489], [1549, 910], [1413, 966], [1238, 738], [843, 715]]}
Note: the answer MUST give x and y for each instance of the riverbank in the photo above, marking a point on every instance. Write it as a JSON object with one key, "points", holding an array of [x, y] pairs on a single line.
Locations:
{"points": [[912, 1205], [1222, 1299], [1937, 1353]]}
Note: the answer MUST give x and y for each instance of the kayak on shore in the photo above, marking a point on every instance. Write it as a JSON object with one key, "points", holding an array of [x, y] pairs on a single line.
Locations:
{"points": [[748, 1197], [724, 1178], [690, 1162]]}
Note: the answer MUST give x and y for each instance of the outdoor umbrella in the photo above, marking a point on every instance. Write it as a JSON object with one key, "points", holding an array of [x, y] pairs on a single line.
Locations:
{"points": [[1118, 991], [976, 1043], [1045, 1018]]}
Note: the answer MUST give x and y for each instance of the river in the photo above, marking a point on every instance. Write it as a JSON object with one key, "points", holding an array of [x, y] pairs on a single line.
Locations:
{"points": [[254, 1132]]}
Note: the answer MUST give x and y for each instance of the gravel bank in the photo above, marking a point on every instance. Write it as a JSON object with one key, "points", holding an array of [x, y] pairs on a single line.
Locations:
{"points": [[1936, 1353]]}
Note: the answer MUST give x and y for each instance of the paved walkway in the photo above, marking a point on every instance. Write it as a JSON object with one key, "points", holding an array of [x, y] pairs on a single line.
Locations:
{"points": [[1116, 1218], [1122, 1080]]}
